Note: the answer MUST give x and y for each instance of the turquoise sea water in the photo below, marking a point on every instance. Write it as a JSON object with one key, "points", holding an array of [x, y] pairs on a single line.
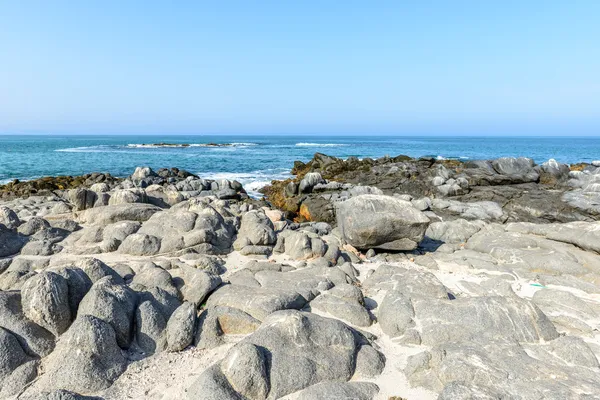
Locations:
{"points": [[256, 160]]}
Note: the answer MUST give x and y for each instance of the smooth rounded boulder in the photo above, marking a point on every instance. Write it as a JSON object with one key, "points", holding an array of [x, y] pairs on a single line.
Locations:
{"points": [[382, 222]]}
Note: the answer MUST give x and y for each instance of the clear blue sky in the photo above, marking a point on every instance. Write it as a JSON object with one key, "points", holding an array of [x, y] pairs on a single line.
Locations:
{"points": [[340, 67]]}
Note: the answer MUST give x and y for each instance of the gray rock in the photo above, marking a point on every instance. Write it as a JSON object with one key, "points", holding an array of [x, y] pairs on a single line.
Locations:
{"points": [[256, 229], [456, 231], [309, 181], [35, 340], [395, 313], [123, 212], [384, 222], [9, 218], [139, 244], [307, 347], [257, 301], [345, 302], [10, 241], [81, 199], [198, 284], [150, 325], [180, 328], [481, 319], [217, 321], [32, 226], [11, 353], [245, 367], [87, 358], [21, 376], [340, 390], [45, 301], [96, 269], [212, 385], [115, 304]]}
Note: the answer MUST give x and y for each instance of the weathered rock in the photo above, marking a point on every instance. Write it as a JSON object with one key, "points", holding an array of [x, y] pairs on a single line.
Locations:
{"points": [[10, 241], [139, 244], [340, 390], [383, 222], [180, 328], [256, 229], [9, 218], [35, 340], [113, 303], [12, 354], [87, 358], [45, 299], [150, 325], [345, 302]]}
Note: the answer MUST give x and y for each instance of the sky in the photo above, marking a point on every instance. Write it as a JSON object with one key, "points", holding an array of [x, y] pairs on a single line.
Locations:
{"points": [[300, 67]]}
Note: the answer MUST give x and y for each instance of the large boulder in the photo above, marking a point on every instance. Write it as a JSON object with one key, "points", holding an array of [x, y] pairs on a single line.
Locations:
{"points": [[383, 222], [86, 360], [35, 340], [289, 344], [256, 230], [45, 299], [113, 303]]}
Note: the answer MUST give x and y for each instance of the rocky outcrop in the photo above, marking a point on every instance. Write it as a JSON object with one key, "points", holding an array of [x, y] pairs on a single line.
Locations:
{"points": [[381, 222]]}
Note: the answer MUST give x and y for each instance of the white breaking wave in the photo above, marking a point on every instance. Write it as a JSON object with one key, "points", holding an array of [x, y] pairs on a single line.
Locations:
{"points": [[184, 145], [84, 149], [252, 181], [302, 144]]}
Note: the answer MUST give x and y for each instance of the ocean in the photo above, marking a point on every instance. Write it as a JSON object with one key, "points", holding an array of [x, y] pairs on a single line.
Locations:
{"points": [[256, 160]]}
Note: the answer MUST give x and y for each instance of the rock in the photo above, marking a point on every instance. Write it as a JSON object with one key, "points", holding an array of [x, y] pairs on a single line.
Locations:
{"points": [[369, 362], [245, 368], [310, 348], [299, 245], [212, 385], [32, 226], [383, 222], [340, 390], [81, 198], [11, 354], [395, 313], [217, 321], [481, 319], [10, 241], [345, 302], [87, 358], [150, 325], [21, 376], [9, 218], [256, 229], [123, 212], [78, 284], [142, 173], [309, 181], [198, 284], [35, 340], [457, 231], [519, 169], [127, 196], [139, 244], [96, 269], [113, 303], [45, 299], [258, 302], [180, 328]]}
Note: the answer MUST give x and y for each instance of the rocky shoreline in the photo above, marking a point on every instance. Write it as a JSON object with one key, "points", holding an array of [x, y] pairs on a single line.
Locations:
{"points": [[366, 279]]}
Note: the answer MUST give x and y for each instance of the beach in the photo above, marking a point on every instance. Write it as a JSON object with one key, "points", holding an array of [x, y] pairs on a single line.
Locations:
{"points": [[369, 278]]}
